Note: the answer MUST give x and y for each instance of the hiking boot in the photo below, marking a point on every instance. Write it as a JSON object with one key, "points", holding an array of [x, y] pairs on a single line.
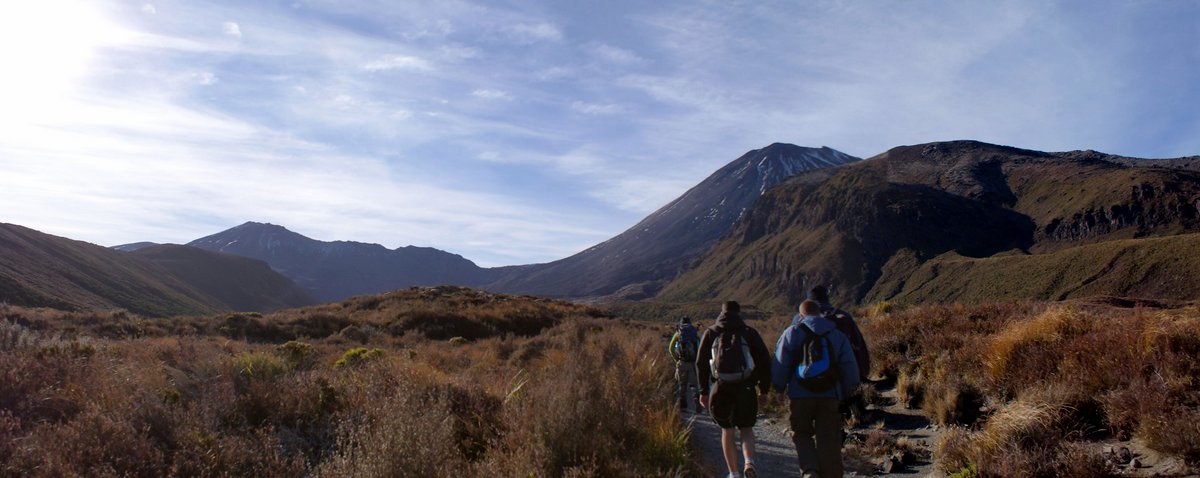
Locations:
{"points": [[750, 472]]}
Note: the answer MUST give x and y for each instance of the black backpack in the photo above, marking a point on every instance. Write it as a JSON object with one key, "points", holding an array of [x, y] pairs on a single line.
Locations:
{"points": [[685, 347], [857, 344], [731, 361], [816, 367]]}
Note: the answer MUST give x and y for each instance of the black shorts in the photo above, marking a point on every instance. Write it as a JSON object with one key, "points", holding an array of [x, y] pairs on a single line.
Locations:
{"points": [[734, 405]]}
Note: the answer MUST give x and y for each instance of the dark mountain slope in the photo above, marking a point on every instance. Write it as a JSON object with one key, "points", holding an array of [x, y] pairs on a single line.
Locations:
{"points": [[238, 282], [652, 252], [41, 270], [331, 271], [870, 223]]}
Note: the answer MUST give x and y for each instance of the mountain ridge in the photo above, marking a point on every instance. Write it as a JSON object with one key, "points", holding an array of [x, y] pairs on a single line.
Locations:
{"points": [[43, 270], [336, 270], [848, 229], [649, 253]]}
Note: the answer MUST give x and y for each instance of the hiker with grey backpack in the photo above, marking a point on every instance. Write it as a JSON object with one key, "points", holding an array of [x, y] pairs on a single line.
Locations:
{"points": [[815, 364], [683, 346], [734, 368]]}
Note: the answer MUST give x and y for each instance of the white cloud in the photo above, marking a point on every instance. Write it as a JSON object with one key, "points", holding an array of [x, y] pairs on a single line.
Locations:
{"points": [[455, 53], [491, 94], [149, 9], [596, 108], [531, 32], [206, 78], [616, 55], [398, 62], [232, 29], [171, 175]]}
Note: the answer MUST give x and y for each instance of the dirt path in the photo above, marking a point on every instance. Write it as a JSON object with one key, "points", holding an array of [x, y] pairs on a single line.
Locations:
{"points": [[776, 456]]}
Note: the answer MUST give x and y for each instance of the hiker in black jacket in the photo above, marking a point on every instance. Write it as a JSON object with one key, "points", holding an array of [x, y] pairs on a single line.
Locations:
{"points": [[732, 362]]}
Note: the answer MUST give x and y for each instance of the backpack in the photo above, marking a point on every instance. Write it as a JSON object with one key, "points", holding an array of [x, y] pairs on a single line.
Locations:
{"points": [[731, 361], [685, 347], [857, 344], [816, 368]]}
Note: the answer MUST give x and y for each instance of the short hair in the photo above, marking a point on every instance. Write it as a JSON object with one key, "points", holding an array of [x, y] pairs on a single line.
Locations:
{"points": [[731, 306], [810, 307], [819, 293]]}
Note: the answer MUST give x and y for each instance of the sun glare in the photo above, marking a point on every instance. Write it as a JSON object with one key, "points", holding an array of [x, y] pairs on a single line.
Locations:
{"points": [[46, 47]]}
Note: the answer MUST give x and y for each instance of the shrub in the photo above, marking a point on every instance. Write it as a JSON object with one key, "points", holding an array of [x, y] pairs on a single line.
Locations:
{"points": [[358, 355], [299, 355], [259, 365]]}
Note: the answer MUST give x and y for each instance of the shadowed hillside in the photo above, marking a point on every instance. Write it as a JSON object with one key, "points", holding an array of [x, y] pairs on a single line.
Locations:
{"points": [[240, 283], [42, 270], [331, 271]]}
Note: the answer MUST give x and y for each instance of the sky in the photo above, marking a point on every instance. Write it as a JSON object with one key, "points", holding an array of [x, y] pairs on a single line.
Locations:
{"points": [[516, 132]]}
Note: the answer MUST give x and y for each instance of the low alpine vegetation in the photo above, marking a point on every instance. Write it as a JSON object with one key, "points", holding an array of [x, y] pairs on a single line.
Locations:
{"points": [[1025, 387], [533, 388]]}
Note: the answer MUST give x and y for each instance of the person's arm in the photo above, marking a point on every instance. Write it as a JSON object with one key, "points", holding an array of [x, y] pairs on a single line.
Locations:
{"points": [[762, 362], [782, 364], [671, 346], [703, 355], [848, 366], [859, 343]]}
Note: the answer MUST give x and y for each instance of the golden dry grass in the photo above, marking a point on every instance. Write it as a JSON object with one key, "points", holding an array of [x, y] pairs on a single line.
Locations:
{"points": [[1033, 382], [250, 395]]}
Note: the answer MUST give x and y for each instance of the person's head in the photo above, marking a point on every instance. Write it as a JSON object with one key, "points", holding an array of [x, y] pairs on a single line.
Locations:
{"points": [[685, 320], [810, 307], [819, 293], [730, 306]]}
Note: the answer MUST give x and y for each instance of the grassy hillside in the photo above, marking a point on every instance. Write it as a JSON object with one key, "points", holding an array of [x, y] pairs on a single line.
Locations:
{"points": [[368, 387], [1159, 268], [41, 270]]}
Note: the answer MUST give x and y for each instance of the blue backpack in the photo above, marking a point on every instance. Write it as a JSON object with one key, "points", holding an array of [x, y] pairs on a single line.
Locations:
{"points": [[816, 368]]}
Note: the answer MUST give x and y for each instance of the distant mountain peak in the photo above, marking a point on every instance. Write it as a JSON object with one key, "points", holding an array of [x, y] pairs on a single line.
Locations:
{"points": [[334, 270], [656, 248]]}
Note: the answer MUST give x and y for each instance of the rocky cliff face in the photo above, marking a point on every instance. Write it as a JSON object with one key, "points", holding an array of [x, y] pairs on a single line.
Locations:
{"points": [[887, 215]]}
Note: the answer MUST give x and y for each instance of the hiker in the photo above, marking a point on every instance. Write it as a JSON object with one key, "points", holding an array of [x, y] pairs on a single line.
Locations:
{"points": [[846, 324], [731, 363], [815, 365], [683, 346], [853, 405]]}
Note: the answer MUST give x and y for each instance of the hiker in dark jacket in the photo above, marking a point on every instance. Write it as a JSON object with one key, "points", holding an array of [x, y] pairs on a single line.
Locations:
{"points": [[682, 347], [815, 420], [733, 402]]}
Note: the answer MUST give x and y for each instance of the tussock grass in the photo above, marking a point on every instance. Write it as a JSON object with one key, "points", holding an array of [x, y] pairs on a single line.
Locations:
{"points": [[550, 390], [1024, 386]]}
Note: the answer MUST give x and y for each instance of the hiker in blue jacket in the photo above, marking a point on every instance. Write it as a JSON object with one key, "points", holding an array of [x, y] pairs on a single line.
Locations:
{"points": [[815, 418]]}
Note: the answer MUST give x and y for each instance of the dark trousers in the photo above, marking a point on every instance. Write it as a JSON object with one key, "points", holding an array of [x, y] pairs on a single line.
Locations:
{"points": [[817, 434]]}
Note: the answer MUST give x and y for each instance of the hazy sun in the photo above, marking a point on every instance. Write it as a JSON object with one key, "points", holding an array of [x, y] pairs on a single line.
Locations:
{"points": [[46, 47]]}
